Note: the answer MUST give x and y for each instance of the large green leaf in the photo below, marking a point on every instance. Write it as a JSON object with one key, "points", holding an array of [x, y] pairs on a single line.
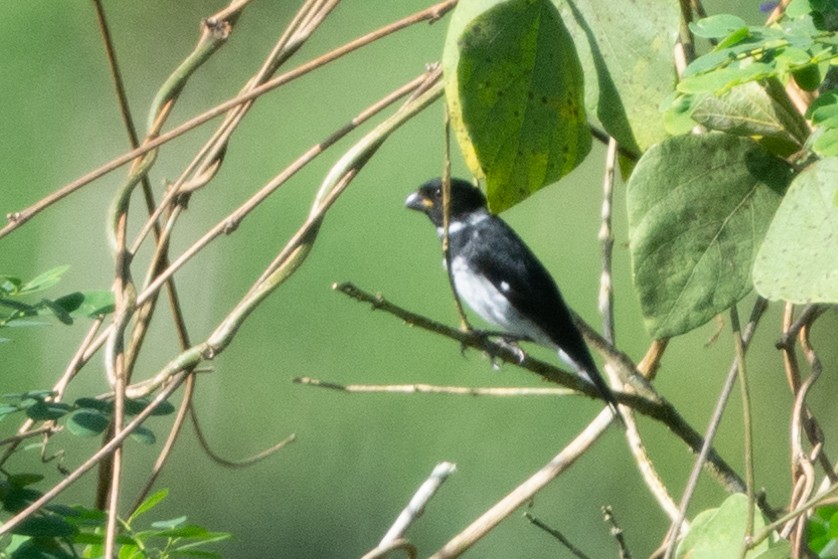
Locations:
{"points": [[698, 210], [514, 89], [798, 262], [721, 532], [626, 49]]}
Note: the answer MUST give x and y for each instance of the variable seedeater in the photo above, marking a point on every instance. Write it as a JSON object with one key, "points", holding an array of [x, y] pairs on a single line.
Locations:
{"points": [[501, 279]]}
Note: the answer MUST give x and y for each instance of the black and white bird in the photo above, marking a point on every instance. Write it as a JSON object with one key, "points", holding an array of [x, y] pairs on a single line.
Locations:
{"points": [[499, 277]]}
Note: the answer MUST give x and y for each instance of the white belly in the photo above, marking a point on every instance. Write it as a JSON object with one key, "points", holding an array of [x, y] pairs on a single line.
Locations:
{"points": [[492, 305]]}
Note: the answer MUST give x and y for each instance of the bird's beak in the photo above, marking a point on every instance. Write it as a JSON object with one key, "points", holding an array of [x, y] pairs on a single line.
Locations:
{"points": [[418, 202]]}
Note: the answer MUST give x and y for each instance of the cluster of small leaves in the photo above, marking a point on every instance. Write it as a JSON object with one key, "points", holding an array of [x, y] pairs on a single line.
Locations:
{"points": [[56, 531], [801, 46], [86, 417], [15, 311]]}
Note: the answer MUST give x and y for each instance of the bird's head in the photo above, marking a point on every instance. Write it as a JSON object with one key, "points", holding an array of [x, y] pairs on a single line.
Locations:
{"points": [[465, 200]]}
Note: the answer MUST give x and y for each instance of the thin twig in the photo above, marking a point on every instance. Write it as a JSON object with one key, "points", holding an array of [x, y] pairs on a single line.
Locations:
{"points": [[434, 389], [739, 350], [446, 220], [416, 506], [207, 161], [606, 310], [606, 240], [232, 221], [398, 545], [715, 420], [556, 534], [617, 532], [18, 218], [524, 492], [174, 432], [23, 435], [237, 464]]}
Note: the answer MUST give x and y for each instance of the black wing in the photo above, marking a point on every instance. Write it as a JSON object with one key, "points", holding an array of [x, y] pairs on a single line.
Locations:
{"points": [[503, 258], [507, 262]]}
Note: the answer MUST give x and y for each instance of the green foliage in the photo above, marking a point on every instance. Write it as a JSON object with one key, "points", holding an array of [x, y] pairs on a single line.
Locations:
{"points": [[515, 95], [698, 208], [14, 311], [822, 532], [801, 46], [87, 417], [520, 74], [720, 532], [57, 531], [626, 54], [798, 261]]}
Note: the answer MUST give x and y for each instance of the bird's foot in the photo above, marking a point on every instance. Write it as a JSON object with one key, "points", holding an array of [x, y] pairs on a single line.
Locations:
{"points": [[503, 339]]}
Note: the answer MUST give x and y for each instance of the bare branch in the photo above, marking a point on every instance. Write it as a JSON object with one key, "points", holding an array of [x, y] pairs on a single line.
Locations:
{"points": [[556, 534], [431, 389], [416, 506]]}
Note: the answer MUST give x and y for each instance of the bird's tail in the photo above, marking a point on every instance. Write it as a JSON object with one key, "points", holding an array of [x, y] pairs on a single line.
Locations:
{"points": [[595, 378]]}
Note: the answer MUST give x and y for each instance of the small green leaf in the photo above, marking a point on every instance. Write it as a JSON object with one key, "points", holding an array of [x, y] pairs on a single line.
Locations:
{"points": [[826, 142], [152, 501], [70, 302], [6, 410], [133, 407], [45, 526], [130, 551], [143, 435], [720, 532], [32, 395], [95, 303], [44, 281], [64, 510], [9, 285], [16, 498], [677, 116], [47, 411], [19, 306], [823, 108], [169, 524], [104, 406], [717, 26], [19, 323], [798, 8], [22, 480], [698, 208], [187, 531], [58, 311], [753, 109], [779, 550], [88, 423], [798, 261], [40, 548]]}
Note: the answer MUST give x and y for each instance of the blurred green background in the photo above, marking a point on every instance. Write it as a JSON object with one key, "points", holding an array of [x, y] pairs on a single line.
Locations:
{"points": [[358, 458]]}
